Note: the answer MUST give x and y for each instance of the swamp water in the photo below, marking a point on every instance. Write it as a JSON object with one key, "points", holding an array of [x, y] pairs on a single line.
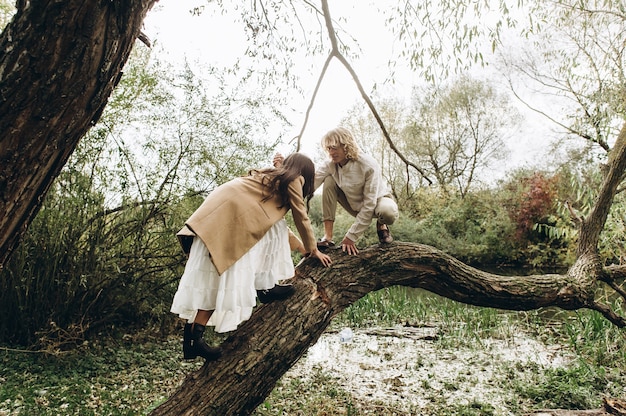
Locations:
{"points": [[408, 367]]}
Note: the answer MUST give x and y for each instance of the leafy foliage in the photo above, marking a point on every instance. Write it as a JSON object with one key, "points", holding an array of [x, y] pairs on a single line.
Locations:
{"points": [[573, 55], [7, 10], [444, 38], [543, 234], [102, 250], [474, 228], [534, 200]]}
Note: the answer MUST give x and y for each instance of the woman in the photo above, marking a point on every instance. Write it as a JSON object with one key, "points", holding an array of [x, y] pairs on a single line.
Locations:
{"points": [[239, 247]]}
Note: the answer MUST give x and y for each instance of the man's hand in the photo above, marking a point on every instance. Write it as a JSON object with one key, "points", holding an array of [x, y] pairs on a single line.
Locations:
{"points": [[348, 246], [278, 160]]}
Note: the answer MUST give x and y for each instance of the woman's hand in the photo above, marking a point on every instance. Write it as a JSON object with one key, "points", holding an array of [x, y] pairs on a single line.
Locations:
{"points": [[348, 246], [278, 160], [326, 260]]}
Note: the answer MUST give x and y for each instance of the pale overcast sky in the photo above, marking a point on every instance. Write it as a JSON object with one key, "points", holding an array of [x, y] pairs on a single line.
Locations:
{"points": [[176, 33]]}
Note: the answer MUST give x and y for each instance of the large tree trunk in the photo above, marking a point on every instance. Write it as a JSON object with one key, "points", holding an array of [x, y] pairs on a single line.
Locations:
{"points": [[59, 63], [266, 346]]}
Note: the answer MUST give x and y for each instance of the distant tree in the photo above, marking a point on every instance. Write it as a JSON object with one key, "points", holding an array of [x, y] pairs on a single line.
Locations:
{"points": [[454, 133], [458, 131]]}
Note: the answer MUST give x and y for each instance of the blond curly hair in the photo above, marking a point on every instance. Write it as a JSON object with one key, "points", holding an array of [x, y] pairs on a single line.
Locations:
{"points": [[341, 137]]}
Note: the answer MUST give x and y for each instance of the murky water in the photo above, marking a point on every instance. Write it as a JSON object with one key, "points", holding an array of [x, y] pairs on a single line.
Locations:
{"points": [[406, 366]]}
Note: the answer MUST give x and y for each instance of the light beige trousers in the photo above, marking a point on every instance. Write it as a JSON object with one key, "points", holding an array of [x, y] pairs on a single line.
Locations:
{"points": [[386, 211]]}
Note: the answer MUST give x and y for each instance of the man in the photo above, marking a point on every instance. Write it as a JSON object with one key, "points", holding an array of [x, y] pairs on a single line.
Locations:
{"points": [[353, 179]]}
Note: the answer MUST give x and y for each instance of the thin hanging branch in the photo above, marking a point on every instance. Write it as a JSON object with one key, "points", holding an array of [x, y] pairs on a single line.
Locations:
{"points": [[315, 91], [372, 108], [335, 53], [144, 39]]}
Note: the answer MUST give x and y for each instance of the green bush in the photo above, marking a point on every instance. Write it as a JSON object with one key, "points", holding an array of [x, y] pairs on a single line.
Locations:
{"points": [[475, 229], [81, 267]]}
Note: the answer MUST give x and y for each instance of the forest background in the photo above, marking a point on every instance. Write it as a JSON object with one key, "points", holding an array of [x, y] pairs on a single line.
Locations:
{"points": [[101, 257]]}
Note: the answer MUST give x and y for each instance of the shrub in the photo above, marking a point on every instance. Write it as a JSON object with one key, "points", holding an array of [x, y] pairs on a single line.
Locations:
{"points": [[82, 266], [473, 229]]}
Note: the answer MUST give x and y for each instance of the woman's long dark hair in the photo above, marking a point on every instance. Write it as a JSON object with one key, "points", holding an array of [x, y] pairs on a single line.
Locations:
{"points": [[294, 165]]}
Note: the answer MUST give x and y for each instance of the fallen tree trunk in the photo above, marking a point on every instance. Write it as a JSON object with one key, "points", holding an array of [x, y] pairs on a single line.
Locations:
{"points": [[265, 347]]}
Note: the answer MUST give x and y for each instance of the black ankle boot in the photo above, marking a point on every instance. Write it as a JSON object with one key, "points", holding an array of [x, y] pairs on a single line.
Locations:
{"points": [[198, 347], [188, 353], [278, 292]]}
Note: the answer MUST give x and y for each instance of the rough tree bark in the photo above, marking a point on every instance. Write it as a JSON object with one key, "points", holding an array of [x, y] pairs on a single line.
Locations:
{"points": [[59, 64]]}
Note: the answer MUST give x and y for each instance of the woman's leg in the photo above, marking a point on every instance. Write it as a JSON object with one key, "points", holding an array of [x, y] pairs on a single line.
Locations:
{"points": [[185, 304], [273, 263], [202, 317]]}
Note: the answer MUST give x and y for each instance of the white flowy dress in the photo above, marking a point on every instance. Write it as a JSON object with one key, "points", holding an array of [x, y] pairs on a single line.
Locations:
{"points": [[232, 296]]}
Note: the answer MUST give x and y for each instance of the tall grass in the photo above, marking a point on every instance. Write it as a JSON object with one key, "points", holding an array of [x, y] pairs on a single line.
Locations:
{"points": [[82, 267], [417, 307]]}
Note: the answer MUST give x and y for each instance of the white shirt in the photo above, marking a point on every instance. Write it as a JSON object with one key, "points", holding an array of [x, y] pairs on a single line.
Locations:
{"points": [[362, 182]]}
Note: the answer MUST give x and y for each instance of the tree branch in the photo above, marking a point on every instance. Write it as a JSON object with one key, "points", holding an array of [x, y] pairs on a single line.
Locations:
{"points": [[265, 347], [609, 314], [337, 54], [310, 107], [372, 108], [144, 39], [593, 225]]}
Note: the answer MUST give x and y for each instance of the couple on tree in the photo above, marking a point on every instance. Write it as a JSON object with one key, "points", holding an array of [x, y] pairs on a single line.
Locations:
{"points": [[239, 245]]}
